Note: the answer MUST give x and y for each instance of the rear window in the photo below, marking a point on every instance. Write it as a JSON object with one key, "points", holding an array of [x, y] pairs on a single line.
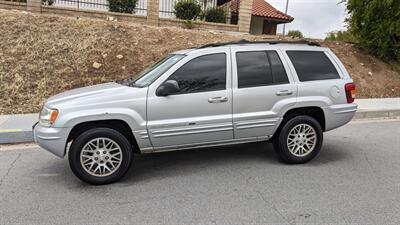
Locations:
{"points": [[278, 71], [253, 69], [312, 65]]}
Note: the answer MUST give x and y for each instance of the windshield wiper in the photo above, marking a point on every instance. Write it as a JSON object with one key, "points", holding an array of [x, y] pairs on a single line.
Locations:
{"points": [[134, 85], [128, 82]]}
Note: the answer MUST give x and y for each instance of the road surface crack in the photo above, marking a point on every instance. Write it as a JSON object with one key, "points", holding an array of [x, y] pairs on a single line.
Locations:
{"points": [[270, 204], [10, 168]]}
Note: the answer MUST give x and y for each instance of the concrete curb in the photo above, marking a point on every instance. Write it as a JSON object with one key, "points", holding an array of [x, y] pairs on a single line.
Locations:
{"points": [[27, 136], [17, 128], [16, 137], [383, 114]]}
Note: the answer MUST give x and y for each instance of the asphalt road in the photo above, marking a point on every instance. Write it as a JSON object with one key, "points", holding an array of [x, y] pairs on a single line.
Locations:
{"points": [[355, 180]]}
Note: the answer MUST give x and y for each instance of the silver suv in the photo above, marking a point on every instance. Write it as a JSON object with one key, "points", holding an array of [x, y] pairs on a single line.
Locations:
{"points": [[218, 94]]}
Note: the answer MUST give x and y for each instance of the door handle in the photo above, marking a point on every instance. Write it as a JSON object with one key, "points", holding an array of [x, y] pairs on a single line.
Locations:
{"points": [[284, 92], [218, 99]]}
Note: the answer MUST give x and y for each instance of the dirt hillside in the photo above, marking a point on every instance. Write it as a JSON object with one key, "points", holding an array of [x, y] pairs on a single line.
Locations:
{"points": [[41, 55]]}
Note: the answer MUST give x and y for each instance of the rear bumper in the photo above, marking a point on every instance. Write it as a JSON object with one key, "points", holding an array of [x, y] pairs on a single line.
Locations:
{"points": [[338, 115], [52, 139]]}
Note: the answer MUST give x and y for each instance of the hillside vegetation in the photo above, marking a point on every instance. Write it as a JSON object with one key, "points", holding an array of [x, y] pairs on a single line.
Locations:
{"points": [[41, 55]]}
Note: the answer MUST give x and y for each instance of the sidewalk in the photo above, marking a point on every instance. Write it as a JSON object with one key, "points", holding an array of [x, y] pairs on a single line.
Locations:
{"points": [[378, 108], [18, 128]]}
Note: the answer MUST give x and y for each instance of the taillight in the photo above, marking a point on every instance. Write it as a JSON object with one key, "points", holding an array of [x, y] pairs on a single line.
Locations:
{"points": [[350, 89]]}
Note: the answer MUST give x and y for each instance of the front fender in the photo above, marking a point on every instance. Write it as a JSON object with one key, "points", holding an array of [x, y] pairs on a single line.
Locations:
{"points": [[135, 120]]}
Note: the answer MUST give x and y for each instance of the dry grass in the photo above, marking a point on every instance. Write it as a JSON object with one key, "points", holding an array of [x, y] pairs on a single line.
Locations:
{"points": [[43, 55], [374, 77]]}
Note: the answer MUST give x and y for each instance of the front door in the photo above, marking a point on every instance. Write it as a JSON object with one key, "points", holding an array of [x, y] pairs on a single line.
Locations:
{"points": [[201, 112], [261, 88]]}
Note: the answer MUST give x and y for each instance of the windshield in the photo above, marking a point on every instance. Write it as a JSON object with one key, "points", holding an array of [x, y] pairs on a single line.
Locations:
{"points": [[151, 73]]}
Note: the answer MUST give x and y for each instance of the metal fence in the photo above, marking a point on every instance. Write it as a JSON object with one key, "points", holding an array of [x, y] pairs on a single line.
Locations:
{"points": [[166, 9], [100, 5]]}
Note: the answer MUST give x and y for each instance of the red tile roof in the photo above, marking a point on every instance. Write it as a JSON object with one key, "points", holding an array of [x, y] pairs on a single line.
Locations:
{"points": [[264, 9]]}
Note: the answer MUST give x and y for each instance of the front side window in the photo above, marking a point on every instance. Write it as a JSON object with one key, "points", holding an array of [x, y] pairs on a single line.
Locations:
{"points": [[260, 68], [204, 73], [312, 65]]}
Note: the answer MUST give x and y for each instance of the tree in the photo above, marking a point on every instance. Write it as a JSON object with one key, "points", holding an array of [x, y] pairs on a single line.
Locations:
{"points": [[376, 25], [216, 15], [122, 6], [187, 9], [341, 35], [295, 34]]}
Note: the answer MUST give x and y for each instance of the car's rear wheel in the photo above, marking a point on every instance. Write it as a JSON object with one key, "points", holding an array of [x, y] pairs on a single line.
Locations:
{"points": [[299, 140], [100, 156]]}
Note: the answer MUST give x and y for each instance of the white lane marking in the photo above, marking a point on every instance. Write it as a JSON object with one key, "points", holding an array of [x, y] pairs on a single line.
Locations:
{"points": [[49, 174]]}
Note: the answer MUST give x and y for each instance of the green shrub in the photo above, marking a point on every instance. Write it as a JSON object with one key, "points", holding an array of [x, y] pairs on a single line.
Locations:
{"points": [[122, 6], [47, 2], [295, 34], [376, 26], [345, 36], [216, 15], [187, 9], [188, 24]]}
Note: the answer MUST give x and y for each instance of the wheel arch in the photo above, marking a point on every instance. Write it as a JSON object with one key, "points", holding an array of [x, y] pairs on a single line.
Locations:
{"points": [[313, 111], [115, 124]]}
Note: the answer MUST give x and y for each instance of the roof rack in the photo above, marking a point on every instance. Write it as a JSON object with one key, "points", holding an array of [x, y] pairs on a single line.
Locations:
{"points": [[271, 42]]}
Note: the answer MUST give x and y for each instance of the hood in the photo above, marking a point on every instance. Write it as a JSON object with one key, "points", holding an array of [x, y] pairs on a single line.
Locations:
{"points": [[87, 95]]}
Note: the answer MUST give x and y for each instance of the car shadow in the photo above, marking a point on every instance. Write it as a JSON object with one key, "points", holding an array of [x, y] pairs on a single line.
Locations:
{"points": [[149, 167], [178, 163]]}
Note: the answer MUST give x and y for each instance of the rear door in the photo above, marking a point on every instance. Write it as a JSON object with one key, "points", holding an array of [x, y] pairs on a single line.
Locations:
{"points": [[262, 88]]}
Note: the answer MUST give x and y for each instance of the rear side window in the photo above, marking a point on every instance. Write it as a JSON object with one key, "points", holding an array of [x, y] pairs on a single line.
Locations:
{"points": [[312, 65], [260, 68], [204, 73], [278, 71], [253, 69]]}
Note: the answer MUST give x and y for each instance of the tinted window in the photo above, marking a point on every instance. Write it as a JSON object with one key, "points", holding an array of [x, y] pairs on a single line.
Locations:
{"points": [[154, 71], [253, 69], [278, 71], [312, 65], [260, 68], [204, 73]]}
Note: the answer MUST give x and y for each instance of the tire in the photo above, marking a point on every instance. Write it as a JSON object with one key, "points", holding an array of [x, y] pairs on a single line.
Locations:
{"points": [[96, 149], [288, 147]]}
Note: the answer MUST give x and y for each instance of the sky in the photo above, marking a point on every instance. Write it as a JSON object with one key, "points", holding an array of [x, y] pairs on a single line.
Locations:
{"points": [[314, 18]]}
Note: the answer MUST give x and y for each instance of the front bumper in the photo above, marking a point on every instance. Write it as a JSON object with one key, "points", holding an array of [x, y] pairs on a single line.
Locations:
{"points": [[52, 139]]}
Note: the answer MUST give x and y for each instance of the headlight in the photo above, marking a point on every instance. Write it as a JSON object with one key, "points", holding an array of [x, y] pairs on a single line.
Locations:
{"points": [[48, 116]]}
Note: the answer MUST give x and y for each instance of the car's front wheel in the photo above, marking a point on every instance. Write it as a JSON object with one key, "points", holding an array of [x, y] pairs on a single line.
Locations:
{"points": [[299, 140], [100, 156]]}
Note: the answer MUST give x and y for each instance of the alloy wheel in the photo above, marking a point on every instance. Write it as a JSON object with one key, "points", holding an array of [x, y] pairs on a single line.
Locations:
{"points": [[301, 140], [101, 157]]}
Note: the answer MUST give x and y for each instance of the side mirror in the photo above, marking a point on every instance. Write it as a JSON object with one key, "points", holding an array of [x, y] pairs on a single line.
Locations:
{"points": [[169, 87]]}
